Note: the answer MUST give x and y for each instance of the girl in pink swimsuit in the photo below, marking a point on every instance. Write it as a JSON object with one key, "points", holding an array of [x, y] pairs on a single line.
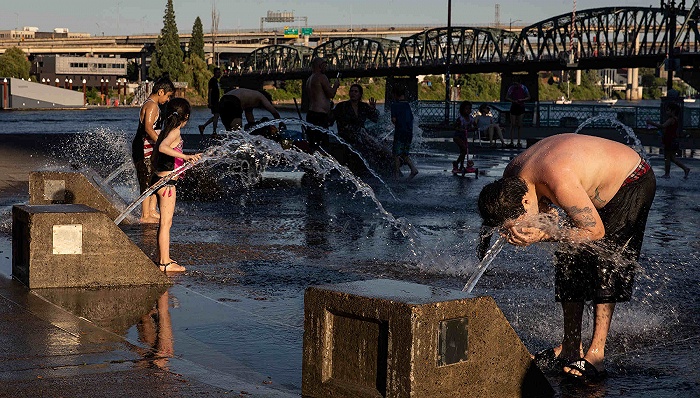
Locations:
{"points": [[167, 156]]}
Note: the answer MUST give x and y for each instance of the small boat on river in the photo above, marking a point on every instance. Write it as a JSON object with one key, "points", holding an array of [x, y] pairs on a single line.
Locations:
{"points": [[609, 101]]}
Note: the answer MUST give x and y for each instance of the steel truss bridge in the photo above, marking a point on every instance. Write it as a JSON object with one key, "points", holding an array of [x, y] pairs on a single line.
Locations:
{"points": [[599, 38]]}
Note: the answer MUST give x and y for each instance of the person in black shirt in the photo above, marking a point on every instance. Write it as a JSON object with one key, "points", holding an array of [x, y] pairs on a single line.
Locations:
{"points": [[213, 102]]}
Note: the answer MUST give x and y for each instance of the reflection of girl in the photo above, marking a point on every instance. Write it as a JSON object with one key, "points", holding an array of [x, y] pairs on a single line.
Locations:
{"points": [[167, 158], [670, 139], [155, 329]]}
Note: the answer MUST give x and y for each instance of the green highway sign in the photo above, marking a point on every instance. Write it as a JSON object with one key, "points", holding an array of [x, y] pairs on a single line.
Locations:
{"points": [[291, 32], [307, 31]]}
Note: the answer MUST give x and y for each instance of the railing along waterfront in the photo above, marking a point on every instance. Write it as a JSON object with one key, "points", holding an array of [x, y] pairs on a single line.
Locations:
{"points": [[547, 114]]}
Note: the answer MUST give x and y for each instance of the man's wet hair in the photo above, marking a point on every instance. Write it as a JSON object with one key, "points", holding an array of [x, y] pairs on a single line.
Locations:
{"points": [[164, 84], [502, 200]]}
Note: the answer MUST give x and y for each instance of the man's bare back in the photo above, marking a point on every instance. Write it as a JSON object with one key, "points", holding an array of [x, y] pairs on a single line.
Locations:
{"points": [[249, 98], [564, 163]]}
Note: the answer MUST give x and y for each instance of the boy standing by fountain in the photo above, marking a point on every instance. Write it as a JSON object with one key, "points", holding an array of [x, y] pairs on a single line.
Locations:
{"points": [[606, 190], [402, 117], [142, 146]]}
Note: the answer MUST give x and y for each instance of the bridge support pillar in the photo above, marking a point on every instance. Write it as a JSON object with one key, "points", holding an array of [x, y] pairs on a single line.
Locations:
{"points": [[144, 71], [410, 83]]}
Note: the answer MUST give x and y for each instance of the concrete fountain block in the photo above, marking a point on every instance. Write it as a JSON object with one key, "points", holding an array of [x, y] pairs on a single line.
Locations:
{"points": [[385, 338], [84, 187], [75, 246]]}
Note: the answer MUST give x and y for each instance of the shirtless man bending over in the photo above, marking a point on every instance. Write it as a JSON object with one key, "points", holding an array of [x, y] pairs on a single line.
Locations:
{"points": [[605, 189], [320, 95], [243, 100]]}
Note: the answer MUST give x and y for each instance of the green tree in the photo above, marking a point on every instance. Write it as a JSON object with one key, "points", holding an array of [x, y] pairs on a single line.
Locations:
{"points": [[168, 56], [197, 74], [197, 40], [479, 86], [652, 84], [13, 63], [133, 71]]}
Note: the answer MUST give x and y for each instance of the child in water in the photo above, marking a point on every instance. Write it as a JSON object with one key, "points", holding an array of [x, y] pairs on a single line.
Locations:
{"points": [[144, 140], [167, 157], [463, 125], [402, 117]]}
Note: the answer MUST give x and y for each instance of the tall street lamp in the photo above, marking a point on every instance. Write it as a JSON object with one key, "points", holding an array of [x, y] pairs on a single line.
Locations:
{"points": [[511, 22], [84, 92], [448, 42], [671, 10]]}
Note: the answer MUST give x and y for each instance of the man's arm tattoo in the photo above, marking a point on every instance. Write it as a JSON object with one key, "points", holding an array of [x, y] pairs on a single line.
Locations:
{"points": [[583, 215]]}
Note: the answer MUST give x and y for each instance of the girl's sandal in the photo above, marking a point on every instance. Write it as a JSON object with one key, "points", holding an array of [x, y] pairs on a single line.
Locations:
{"points": [[172, 264]]}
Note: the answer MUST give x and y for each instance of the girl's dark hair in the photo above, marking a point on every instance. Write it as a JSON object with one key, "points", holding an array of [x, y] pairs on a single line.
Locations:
{"points": [[358, 88], [177, 111], [502, 200], [463, 106]]}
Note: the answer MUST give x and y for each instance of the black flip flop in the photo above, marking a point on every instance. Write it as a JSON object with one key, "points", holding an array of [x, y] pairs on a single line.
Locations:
{"points": [[589, 373], [548, 361]]}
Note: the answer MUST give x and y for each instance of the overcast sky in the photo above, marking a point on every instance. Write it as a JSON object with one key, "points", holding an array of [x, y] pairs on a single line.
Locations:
{"points": [[123, 17]]}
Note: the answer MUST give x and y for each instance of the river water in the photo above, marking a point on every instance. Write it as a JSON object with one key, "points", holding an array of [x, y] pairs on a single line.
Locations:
{"points": [[238, 310]]}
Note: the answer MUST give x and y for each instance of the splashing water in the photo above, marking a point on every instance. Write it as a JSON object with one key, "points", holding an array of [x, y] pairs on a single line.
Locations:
{"points": [[485, 262], [261, 153], [630, 137], [334, 135], [126, 166], [148, 192]]}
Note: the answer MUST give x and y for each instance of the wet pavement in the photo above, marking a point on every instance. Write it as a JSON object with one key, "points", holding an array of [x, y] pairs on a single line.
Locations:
{"points": [[233, 324]]}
